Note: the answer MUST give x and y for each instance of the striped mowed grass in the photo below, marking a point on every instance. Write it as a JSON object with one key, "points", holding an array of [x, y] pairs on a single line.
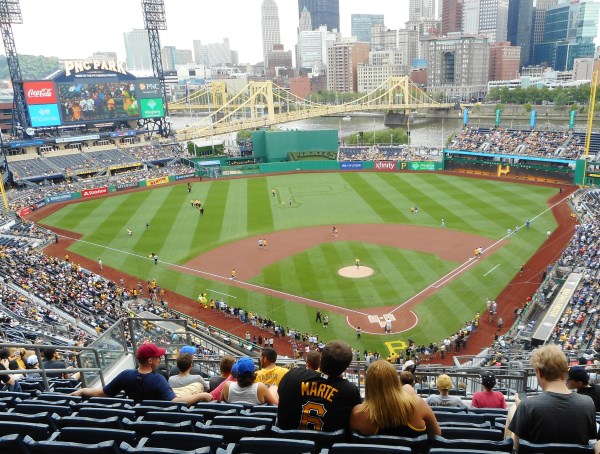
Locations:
{"points": [[241, 208]]}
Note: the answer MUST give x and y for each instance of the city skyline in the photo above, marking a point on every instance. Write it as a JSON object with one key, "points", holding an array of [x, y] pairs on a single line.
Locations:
{"points": [[194, 22]]}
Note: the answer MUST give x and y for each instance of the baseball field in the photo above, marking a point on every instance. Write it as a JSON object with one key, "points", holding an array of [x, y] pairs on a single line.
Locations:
{"points": [[424, 278]]}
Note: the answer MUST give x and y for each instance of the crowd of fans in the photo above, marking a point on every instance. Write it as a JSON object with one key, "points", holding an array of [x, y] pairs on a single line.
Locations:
{"points": [[537, 143], [388, 153]]}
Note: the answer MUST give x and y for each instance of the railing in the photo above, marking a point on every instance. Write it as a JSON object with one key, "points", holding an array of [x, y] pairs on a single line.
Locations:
{"points": [[109, 348]]}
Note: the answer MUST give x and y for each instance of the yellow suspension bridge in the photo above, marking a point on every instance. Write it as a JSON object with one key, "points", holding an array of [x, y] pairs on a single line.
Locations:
{"points": [[262, 104]]}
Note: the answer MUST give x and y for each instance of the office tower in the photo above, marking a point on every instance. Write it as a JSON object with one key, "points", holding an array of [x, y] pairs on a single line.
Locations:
{"points": [[493, 19], [383, 38], [312, 47], [569, 33], [418, 9], [541, 7], [137, 49], [470, 17], [305, 23], [212, 54], [520, 21], [505, 61], [322, 12], [343, 59], [362, 25], [458, 66], [382, 65], [270, 28], [451, 16]]}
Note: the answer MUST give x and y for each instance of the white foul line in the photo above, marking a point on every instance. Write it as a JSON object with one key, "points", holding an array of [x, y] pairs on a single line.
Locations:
{"points": [[491, 270]]}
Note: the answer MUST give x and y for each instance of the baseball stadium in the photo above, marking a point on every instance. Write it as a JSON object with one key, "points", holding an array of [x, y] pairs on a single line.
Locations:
{"points": [[159, 243]]}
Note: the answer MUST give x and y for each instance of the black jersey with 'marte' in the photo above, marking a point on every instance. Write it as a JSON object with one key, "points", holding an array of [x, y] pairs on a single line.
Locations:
{"points": [[312, 401]]}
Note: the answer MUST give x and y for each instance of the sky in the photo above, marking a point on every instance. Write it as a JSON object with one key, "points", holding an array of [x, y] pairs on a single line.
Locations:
{"points": [[75, 29]]}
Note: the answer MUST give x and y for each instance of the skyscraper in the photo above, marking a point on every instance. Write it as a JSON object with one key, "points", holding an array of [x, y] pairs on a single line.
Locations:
{"points": [[362, 24], [541, 7], [270, 28], [343, 59], [520, 21], [493, 19], [451, 16], [322, 12], [418, 9], [137, 49]]}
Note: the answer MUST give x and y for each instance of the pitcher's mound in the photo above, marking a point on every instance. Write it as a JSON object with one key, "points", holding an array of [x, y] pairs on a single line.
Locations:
{"points": [[354, 273]]}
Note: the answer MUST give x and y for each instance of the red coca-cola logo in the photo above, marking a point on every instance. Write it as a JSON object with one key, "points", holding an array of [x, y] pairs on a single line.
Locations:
{"points": [[385, 166], [41, 92]]}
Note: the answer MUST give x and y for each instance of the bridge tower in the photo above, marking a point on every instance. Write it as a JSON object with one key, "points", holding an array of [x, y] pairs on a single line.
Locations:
{"points": [[10, 13], [398, 95], [262, 91], [218, 94], [155, 19]]}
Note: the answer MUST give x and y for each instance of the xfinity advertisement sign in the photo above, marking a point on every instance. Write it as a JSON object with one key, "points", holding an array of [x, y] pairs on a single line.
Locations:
{"points": [[43, 115], [152, 108]]}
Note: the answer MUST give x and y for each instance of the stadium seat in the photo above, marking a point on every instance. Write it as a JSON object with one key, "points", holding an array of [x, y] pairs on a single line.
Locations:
{"points": [[15, 394], [36, 418], [417, 444], [321, 439], [10, 401], [94, 435], [465, 417], [471, 425], [359, 448], [145, 428], [553, 448], [110, 400], [269, 415], [492, 411], [141, 410], [263, 409], [161, 403], [219, 406], [126, 448], [476, 434], [437, 409], [184, 441], [233, 434], [12, 444], [462, 444], [457, 451], [210, 413], [37, 431], [79, 421], [57, 397], [241, 421], [102, 413], [61, 447], [29, 407], [79, 405], [259, 445], [177, 416]]}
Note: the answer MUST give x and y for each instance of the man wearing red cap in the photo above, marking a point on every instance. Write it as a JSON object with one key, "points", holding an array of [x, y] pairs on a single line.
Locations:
{"points": [[143, 383]]}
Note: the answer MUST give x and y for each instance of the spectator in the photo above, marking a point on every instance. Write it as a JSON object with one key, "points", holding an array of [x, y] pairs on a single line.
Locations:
{"points": [[33, 363], [52, 361], [444, 384], [271, 373], [143, 383], [184, 378], [192, 371], [7, 382], [388, 409], [225, 366], [319, 401], [313, 360], [557, 415], [247, 390], [488, 398], [578, 379]]}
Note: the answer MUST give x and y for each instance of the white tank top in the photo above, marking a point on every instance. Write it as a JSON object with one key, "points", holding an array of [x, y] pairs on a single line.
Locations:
{"points": [[249, 394]]}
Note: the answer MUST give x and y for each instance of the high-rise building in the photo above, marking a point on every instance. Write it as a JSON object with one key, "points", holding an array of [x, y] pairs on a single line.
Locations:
{"points": [[382, 65], [270, 28], [322, 12], [425, 28], [137, 49], [470, 17], [382, 38], [343, 59], [451, 16], [493, 19], [312, 47], [362, 25], [520, 21], [541, 7], [409, 44], [504, 61], [569, 33], [212, 54], [419, 9], [305, 23], [458, 66]]}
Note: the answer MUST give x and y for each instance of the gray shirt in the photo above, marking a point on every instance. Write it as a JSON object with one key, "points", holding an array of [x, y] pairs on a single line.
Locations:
{"points": [[177, 381], [445, 401]]}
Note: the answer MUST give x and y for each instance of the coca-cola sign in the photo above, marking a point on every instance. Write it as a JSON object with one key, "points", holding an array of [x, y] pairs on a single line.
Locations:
{"points": [[41, 92]]}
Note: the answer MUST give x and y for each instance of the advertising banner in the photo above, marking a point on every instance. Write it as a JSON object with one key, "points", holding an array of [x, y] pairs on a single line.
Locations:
{"points": [[59, 197], [498, 116], [125, 166], [123, 186], [533, 118], [93, 192], [184, 176], [26, 143], [465, 116], [121, 134], [43, 115], [418, 166], [385, 166], [40, 92], [148, 88], [351, 165], [213, 162], [77, 138], [39, 204], [25, 211], [157, 181], [152, 108], [572, 119]]}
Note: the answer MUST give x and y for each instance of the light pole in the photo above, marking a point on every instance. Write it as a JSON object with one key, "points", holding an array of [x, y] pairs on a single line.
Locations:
{"points": [[391, 140]]}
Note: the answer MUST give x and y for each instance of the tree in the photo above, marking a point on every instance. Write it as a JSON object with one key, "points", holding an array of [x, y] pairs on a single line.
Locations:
{"points": [[32, 67], [393, 136], [243, 136]]}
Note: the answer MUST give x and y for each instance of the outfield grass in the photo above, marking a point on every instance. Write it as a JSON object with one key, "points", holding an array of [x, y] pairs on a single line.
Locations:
{"points": [[240, 208]]}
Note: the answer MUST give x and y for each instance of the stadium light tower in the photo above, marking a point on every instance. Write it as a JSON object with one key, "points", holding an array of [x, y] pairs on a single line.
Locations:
{"points": [[155, 19], [10, 13]]}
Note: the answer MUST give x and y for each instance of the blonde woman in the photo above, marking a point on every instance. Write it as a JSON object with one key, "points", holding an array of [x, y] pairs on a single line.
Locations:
{"points": [[388, 409]]}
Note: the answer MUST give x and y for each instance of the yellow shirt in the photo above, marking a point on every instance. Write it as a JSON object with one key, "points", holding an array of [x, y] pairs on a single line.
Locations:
{"points": [[271, 376]]}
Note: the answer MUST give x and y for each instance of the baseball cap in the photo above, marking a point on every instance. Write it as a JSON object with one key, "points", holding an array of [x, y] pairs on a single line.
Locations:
{"points": [[488, 379], [244, 365], [578, 374], [444, 382], [146, 351], [408, 364], [188, 349], [32, 360]]}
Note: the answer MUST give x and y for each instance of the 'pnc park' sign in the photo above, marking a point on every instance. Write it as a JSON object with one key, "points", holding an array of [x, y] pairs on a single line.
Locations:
{"points": [[80, 66]]}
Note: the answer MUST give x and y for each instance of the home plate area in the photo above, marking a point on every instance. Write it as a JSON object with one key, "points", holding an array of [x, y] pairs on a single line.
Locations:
{"points": [[381, 320]]}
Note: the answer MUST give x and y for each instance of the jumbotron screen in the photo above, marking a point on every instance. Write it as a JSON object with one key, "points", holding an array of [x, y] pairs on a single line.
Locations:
{"points": [[98, 101]]}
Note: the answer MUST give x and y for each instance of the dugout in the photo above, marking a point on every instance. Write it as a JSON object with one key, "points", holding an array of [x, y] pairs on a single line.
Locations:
{"points": [[274, 146]]}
